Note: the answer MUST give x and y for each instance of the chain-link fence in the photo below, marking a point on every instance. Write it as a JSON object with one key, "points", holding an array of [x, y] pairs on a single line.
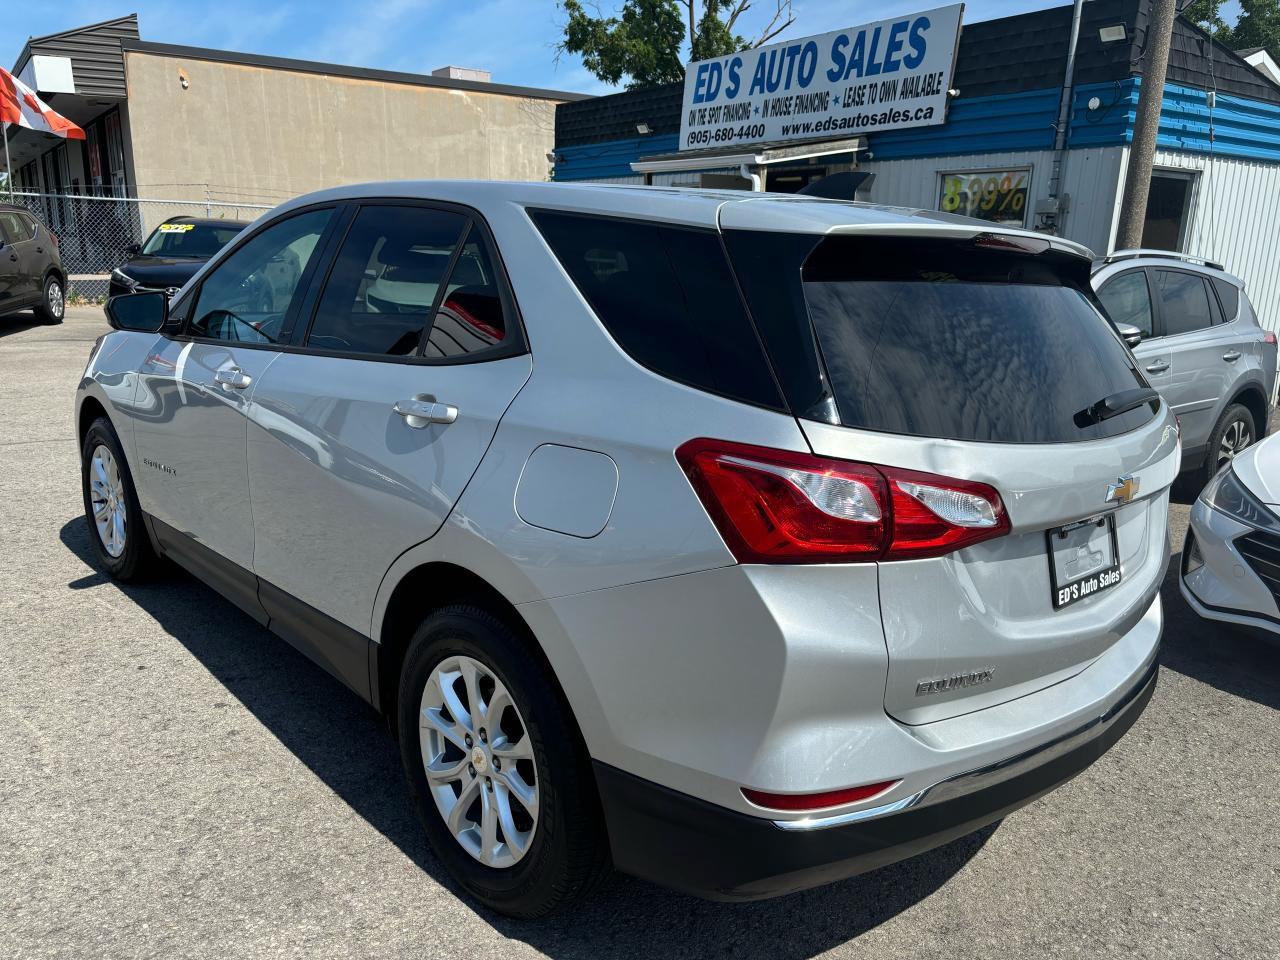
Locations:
{"points": [[95, 233]]}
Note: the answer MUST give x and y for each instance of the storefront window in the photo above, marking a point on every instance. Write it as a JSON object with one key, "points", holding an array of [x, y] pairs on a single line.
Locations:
{"points": [[1168, 210], [999, 196]]}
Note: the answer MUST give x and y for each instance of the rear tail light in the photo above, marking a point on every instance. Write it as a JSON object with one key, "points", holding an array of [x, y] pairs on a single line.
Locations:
{"points": [[816, 801], [54, 237], [1269, 338], [774, 506]]}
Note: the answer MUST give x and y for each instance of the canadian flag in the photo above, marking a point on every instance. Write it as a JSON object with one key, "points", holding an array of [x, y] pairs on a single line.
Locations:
{"points": [[20, 105]]}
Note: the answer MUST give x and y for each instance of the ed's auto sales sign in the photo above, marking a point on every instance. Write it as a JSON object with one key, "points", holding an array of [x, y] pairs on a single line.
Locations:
{"points": [[883, 76]]}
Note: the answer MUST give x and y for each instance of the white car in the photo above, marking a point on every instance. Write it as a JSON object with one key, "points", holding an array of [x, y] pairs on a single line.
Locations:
{"points": [[1231, 561]]}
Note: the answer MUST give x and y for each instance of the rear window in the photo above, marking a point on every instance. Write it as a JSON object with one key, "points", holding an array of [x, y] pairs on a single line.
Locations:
{"points": [[667, 296], [943, 339]]}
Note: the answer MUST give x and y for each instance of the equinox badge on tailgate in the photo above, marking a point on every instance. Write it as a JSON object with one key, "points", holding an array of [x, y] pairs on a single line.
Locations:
{"points": [[954, 682]]}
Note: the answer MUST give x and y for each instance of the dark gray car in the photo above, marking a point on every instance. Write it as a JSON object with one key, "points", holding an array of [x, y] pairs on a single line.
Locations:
{"points": [[31, 274], [1193, 329]]}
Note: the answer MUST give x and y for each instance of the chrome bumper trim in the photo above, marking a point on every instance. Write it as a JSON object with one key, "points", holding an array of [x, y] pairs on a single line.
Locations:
{"points": [[993, 773]]}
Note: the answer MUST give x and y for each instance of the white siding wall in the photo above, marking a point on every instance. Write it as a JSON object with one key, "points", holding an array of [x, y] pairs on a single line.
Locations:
{"points": [[1235, 219], [1089, 177]]}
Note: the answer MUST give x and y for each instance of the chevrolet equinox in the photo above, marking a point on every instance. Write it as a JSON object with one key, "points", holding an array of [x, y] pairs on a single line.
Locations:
{"points": [[740, 542]]}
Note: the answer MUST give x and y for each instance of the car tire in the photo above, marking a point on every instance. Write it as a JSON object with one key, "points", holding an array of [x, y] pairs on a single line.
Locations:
{"points": [[564, 851], [53, 301], [1234, 432], [116, 530]]}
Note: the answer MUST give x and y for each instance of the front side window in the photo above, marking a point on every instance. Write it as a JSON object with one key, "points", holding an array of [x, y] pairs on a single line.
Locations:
{"points": [[1128, 300], [1184, 301], [247, 297], [386, 279], [197, 241]]}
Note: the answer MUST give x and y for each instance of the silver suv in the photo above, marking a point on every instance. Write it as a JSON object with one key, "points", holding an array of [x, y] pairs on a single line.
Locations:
{"points": [[742, 543], [1195, 333]]}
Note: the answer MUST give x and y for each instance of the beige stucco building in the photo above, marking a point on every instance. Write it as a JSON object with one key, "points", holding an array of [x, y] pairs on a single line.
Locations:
{"points": [[187, 123]]}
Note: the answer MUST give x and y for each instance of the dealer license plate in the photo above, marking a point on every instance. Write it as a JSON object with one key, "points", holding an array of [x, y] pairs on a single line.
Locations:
{"points": [[1082, 559]]}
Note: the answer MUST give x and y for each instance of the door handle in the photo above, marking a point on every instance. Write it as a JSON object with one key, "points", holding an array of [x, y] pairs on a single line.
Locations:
{"points": [[424, 409], [1231, 356], [232, 377], [1160, 366]]}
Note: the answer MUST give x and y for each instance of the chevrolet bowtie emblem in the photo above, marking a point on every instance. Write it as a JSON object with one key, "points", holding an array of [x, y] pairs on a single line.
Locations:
{"points": [[1123, 490]]}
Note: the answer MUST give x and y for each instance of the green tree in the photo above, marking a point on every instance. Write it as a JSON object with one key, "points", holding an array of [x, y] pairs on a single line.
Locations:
{"points": [[1208, 15], [646, 40], [1258, 26]]}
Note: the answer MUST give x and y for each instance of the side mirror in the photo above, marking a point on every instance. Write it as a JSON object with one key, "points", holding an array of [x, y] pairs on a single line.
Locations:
{"points": [[1129, 334], [133, 249], [139, 312]]}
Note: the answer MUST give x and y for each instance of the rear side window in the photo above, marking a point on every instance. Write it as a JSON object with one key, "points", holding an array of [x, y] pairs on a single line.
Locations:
{"points": [[385, 280], [1128, 300], [1229, 297], [941, 339], [1184, 301], [12, 229], [667, 296], [472, 317]]}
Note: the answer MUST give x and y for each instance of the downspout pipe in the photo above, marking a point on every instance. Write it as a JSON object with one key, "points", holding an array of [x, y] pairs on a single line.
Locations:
{"points": [[1064, 103]]}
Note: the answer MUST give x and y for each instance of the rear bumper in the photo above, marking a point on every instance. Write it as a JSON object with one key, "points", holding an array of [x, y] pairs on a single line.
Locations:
{"points": [[707, 850]]}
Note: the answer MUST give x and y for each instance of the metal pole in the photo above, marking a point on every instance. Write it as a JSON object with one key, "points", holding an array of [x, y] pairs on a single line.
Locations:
{"points": [[1142, 153], [1064, 104], [8, 171]]}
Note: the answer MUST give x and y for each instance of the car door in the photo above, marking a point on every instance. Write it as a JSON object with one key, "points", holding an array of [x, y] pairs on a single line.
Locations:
{"points": [[363, 438], [1201, 370], [1127, 297], [10, 262], [16, 286], [196, 388]]}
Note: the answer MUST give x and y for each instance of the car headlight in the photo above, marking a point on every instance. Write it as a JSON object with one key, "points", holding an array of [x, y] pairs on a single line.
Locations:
{"points": [[1226, 494], [122, 278]]}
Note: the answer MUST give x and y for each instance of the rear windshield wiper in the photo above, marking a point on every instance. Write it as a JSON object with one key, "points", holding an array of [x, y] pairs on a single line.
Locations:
{"points": [[1116, 404]]}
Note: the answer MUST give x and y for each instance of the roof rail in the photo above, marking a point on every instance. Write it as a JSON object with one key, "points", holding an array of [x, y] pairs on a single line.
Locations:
{"points": [[1163, 255]]}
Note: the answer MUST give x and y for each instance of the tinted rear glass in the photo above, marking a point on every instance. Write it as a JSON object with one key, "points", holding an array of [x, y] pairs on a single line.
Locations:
{"points": [[667, 296], [940, 339], [1229, 296]]}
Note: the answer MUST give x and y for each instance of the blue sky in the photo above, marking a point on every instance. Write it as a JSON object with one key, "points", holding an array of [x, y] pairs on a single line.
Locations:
{"points": [[514, 39]]}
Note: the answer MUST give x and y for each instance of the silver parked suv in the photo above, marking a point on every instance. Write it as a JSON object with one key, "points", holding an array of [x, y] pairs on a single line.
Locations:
{"points": [[740, 542], [1195, 333]]}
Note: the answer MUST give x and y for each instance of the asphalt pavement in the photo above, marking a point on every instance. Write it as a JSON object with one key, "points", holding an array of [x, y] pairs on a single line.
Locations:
{"points": [[176, 782]]}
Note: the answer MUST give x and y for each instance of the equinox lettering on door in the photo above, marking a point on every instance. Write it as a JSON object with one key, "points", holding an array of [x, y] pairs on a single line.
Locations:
{"points": [[954, 682]]}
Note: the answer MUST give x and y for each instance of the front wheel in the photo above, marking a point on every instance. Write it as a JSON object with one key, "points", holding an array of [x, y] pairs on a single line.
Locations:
{"points": [[53, 304], [111, 506], [496, 766]]}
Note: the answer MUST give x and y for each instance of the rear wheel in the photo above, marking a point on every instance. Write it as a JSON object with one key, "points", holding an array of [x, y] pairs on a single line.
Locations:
{"points": [[111, 506], [498, 774], [53, 302], [1234, 432]]}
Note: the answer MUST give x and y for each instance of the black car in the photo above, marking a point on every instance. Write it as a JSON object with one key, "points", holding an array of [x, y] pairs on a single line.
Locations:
{"points": [[172, 254], [31, 274]]}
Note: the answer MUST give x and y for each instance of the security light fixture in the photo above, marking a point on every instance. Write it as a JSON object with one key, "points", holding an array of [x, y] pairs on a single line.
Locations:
{"points": [[643, 129], [1113, 34], [1095, 103]]}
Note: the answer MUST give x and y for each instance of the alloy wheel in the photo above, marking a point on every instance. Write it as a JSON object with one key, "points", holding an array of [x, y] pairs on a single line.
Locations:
{"points": [[1234, 440], [55, 301], [479, 761], [107, 498]]}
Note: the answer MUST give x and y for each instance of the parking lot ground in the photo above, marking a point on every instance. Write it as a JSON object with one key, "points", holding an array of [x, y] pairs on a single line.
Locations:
{"points": [[174, 781]]}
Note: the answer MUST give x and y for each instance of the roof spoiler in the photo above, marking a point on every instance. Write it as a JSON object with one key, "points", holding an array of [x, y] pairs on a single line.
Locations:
{"points": [[850, 185]]}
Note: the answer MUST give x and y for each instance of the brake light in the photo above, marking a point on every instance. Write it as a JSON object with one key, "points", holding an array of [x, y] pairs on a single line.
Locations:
{"points": [[816, 801], [774, 506], [1269, 338], [54, 237], [1013, 244]]}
